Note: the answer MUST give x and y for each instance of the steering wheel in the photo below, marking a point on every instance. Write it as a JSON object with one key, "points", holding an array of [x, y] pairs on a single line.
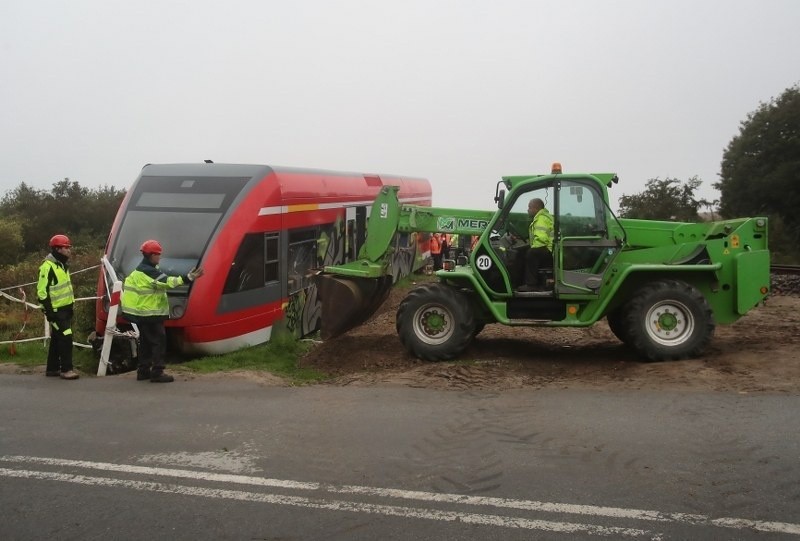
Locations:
{"points": [[511, 228]]}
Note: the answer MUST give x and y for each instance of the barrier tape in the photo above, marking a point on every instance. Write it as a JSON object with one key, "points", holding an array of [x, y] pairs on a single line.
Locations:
{"points": [[111, 330], [35, 283], [27, 305]]}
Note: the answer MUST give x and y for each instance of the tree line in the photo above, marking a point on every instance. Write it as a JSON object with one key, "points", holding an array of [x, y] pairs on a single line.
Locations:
{"points": [[30, 216]]}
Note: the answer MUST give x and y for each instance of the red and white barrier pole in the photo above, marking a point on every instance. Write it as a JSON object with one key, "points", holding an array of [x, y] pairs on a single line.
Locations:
{"points": [[111, 326]]}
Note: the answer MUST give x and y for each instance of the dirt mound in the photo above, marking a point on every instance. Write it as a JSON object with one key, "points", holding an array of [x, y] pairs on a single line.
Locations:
{"points": [[758, 353]]}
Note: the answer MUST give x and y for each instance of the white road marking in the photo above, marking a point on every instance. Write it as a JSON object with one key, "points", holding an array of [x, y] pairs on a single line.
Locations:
{"points": [[356, 507], [504, 503]]}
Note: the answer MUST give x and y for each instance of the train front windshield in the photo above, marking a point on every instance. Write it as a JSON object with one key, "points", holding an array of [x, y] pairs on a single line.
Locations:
{"points": [[182, 213]]}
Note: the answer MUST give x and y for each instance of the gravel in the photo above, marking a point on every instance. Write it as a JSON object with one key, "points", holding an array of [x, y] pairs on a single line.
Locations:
{"points": [[786, 284]]}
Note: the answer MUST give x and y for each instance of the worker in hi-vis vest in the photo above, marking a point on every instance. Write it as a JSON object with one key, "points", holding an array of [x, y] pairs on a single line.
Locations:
{"points": [[144, 302], [540, 253], [54, 291]]}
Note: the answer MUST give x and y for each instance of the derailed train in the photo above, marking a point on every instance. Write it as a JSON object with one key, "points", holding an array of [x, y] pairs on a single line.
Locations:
{"points": [[259, 232]]}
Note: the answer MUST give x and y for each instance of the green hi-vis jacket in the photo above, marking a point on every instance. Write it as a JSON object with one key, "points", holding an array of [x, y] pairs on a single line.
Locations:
{"points": [[144, 293], [541, 230], [54, 288]]}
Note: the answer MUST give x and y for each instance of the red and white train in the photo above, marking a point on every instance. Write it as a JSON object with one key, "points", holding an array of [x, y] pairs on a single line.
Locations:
{"points": [[258, 231]]}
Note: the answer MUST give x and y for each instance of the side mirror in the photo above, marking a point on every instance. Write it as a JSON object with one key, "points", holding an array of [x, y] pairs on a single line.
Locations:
{"points": [[500, 198]]}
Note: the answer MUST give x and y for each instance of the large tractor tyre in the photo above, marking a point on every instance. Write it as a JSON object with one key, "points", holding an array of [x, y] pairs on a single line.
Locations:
{"points": [[616, 322], [668, 320], [435, 322]]}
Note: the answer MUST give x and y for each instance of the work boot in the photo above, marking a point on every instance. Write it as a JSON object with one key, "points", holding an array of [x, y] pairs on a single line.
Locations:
{"points": [[52, 373], [161, 378], [142, 375], [69, 375]]}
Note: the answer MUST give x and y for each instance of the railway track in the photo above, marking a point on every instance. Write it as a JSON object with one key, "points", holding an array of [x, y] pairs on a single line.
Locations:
{"points": [[785, 280], [785, 269]]}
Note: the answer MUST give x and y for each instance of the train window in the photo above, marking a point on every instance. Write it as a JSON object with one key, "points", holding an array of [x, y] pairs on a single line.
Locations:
{"points": [[181, 200], [249, 269], [272, 263], [302, 257]]}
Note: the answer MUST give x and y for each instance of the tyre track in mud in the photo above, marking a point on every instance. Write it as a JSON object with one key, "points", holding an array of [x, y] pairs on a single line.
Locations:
{"points": [[720, 477], [707, 460], [456, 456], [465, 453]]}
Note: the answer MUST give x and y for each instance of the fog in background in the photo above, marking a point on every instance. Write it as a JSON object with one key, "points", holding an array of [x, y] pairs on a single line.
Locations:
{"points": [[460, 92]]}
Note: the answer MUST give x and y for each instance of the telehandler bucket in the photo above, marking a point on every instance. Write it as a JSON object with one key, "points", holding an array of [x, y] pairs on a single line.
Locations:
{"points": [[352, 292], [349, 301]]}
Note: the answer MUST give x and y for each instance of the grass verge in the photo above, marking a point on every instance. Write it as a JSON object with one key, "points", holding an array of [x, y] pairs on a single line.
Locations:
{"points": [[33, 354], [279, 357]]}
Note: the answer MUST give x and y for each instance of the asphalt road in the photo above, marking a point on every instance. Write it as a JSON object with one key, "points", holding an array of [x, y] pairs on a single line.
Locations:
{"points": [[112, 458]]}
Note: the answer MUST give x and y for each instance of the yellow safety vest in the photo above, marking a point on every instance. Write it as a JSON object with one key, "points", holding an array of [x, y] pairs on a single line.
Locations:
{"points": [[143, 296], [541, 230], [59, 292]]}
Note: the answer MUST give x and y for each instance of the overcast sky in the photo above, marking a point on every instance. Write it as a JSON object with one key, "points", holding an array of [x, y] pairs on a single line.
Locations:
{"points": [[460, 92]]}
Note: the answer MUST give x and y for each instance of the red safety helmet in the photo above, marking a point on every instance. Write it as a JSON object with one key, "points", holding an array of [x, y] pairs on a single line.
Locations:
{"points": [[151, 247], [60, 241]]}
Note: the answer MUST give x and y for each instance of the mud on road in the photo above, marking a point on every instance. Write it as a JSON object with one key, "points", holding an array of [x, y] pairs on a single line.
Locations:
{"points": [[759, 353]]}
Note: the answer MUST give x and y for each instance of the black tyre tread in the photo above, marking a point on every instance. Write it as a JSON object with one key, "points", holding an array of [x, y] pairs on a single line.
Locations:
{"points": [[616, 322], [640, 303], [451, 299]]}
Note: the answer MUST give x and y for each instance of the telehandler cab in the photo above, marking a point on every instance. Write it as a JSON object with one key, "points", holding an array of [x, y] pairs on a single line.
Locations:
{"points": [[661, 285]]}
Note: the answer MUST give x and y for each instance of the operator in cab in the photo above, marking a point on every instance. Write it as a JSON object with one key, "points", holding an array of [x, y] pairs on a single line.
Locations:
{"points": [[539, 255]]}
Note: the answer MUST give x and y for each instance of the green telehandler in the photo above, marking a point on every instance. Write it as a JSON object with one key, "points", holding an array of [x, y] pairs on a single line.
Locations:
{"points": [[661, 285]]}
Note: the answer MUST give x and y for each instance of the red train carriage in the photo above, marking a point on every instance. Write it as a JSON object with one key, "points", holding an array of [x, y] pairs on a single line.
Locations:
{"points": [[258, 231]]}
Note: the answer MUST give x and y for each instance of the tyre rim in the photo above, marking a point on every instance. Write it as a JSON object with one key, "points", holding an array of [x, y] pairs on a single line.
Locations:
{"points": [[433, 324], [670, 323]]}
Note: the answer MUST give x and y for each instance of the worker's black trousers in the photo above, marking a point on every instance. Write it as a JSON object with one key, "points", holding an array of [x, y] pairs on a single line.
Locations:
{"points": [[152, 347], [535, 259], [59, 354]]}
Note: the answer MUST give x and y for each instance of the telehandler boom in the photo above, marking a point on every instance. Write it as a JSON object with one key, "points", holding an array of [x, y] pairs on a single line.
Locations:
{"points": [[662, 286]]}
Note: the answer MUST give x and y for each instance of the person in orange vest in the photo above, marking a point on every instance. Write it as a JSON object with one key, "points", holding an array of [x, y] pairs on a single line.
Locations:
{"points": [[436, 250]]}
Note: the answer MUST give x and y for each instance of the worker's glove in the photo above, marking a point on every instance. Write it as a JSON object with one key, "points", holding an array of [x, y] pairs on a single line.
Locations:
{"points": [[195, 273], [48, 314]]}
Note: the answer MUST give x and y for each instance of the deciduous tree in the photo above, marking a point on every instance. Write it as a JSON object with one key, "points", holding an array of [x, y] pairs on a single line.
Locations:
{"points": [[760, 172], [668, 199]]}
